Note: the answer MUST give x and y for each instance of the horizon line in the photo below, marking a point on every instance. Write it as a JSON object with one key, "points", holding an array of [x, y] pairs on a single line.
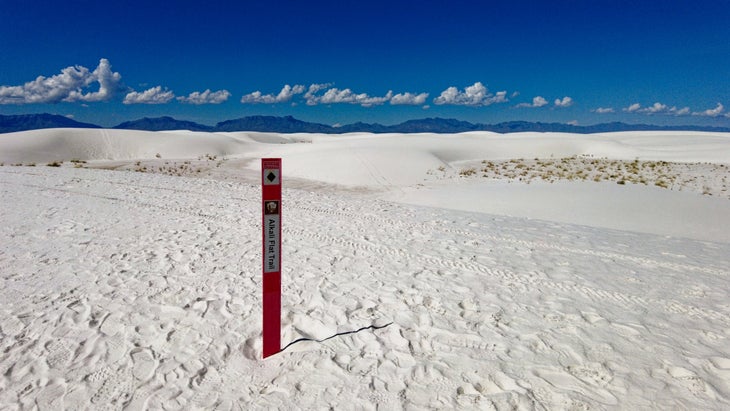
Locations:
{"points": [[338, 125]]}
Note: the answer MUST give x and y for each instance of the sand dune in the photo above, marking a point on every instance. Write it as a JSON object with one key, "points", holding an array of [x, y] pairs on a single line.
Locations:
{"points": [[45, 146], [141, 290]]}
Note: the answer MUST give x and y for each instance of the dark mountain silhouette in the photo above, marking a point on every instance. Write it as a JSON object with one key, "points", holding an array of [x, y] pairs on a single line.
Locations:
{"points": [[22, 122], [161, 124], [434, 125], [272, 124], [361, 127], [290, 124]]}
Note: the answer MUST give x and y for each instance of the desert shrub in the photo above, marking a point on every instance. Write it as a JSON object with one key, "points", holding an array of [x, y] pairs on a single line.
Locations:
{"points": [[467, 171]]}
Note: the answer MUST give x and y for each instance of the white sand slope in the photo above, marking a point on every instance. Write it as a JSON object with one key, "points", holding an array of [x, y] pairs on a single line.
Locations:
{"points": [[128, 290], [45, 146]]}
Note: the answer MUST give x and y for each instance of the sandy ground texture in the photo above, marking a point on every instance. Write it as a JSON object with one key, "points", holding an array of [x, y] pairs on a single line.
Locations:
{"points": [[141, 290]]}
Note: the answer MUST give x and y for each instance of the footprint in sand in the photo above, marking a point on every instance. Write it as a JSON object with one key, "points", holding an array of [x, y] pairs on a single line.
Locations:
{"points": [[59, 353], [140, 399], [558, 377], [591, 373], [720, 368], [81, 311], [144, 364], [111, 325], [691, 381], [115, 348], [110, 385], [384, 395], [11, 326], [76, 398], [206, 385], [50, 397]]}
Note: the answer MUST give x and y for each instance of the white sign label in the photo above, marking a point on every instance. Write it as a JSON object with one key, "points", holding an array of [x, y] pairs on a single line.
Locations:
{"points": [[271, 243]]}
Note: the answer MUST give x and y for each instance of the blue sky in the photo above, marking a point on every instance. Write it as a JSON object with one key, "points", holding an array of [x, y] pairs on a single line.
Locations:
{"points": [[584, 61]]}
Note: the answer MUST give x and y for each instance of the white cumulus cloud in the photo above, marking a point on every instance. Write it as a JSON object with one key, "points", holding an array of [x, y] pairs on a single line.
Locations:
{"points": [[409, 99], [474, 95], [311, 94], [537, 101], [342, 96], [336, 96], [633, 108], [713, 112], [564, 102], [657, 108], [109, 83], [680, 112], [286, 94], [70, 85], [604, 110], [206, 97], [154, 95], [324, 93]]}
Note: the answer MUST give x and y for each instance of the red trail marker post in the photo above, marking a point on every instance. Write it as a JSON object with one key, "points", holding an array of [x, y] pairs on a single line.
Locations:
{"points": [[271, 219]]}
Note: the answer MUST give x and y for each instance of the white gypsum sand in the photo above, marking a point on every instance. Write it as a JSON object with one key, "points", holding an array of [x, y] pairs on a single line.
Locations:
{"points": [[135, 290]]}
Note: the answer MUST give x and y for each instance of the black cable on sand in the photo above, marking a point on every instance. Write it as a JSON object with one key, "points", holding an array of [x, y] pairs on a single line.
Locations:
{"points": [[371, 327]]}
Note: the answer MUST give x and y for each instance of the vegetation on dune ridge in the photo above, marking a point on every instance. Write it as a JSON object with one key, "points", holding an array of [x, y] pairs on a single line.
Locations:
{"points": [[706, 178]]}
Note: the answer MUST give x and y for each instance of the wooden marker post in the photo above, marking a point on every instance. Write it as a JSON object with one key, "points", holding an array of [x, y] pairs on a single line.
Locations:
{"points": [[271, 218]]}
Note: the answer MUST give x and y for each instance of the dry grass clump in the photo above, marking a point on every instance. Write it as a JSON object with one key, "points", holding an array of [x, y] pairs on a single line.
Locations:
{"points": [[466, 172], [706, 178], [179, 168]]}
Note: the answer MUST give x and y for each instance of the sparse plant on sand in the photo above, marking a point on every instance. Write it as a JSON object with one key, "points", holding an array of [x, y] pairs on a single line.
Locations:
{"points": [[466, 172]]}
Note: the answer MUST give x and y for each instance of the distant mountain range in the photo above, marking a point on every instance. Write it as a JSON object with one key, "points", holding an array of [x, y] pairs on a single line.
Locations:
{"points": [[22, 122], [161, 124], [289, 124]]}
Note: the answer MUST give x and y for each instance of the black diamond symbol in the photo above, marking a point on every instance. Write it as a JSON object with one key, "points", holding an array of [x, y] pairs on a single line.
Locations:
{"points": [[271, 176]]}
